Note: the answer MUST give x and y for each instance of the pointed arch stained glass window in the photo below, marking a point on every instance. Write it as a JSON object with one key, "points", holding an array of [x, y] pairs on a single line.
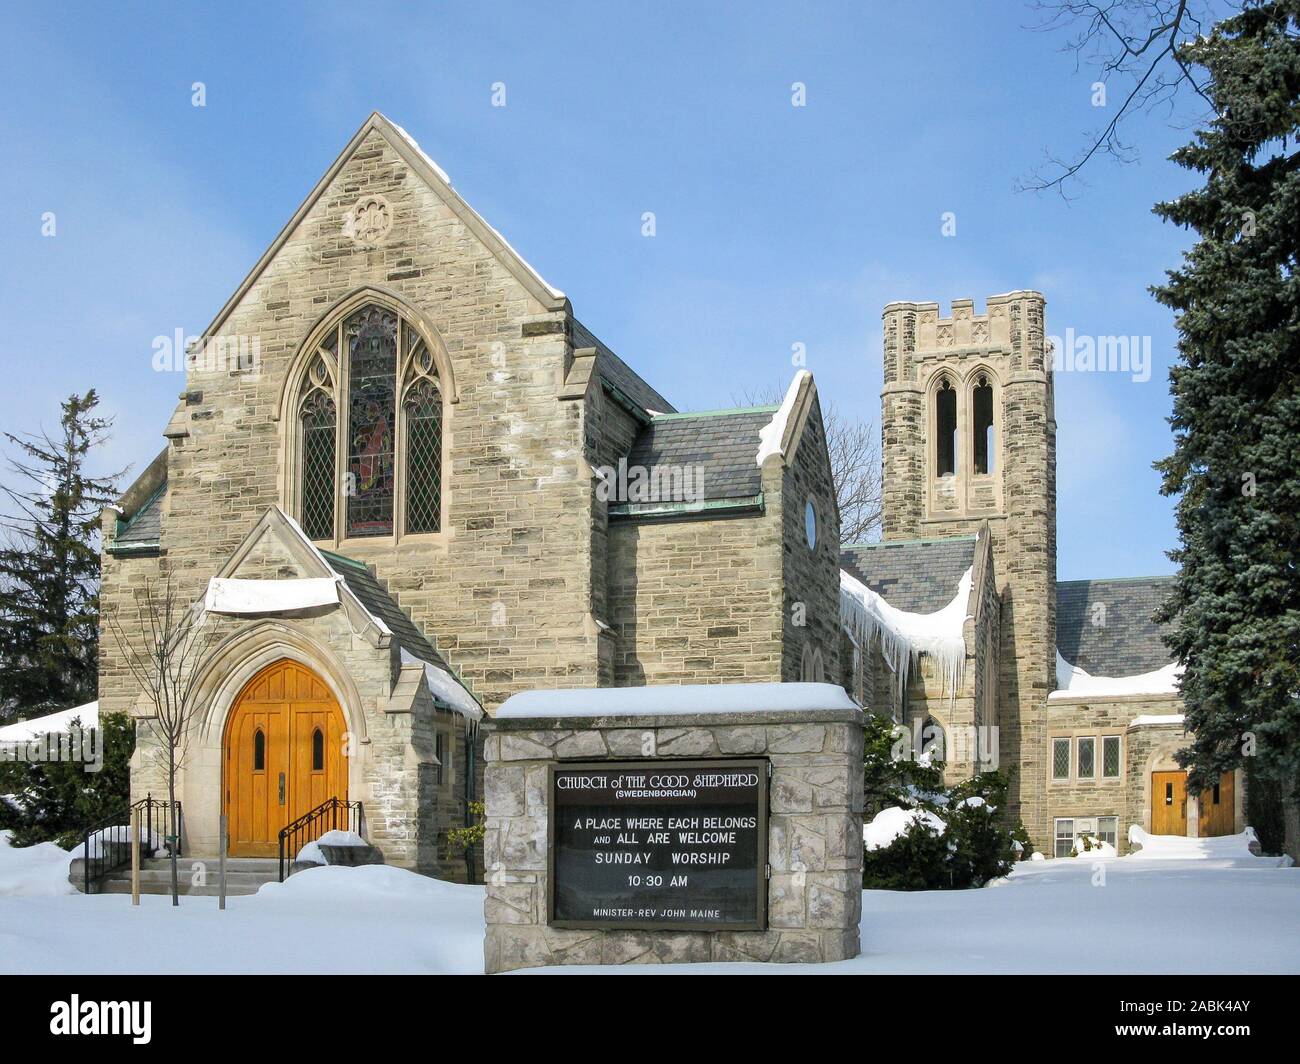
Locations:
{"points": [[371, 338]]}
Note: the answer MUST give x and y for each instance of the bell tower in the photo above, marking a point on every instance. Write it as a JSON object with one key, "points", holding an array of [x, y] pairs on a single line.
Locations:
{"points": [[969, 437]]}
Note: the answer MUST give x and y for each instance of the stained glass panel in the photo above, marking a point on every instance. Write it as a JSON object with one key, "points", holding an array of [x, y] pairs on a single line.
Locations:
{"points": [[423, 457], [371, 337], [318, 427]]}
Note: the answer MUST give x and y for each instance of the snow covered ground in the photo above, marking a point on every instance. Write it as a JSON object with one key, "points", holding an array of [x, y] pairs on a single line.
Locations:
{"points": [[1220, 914]]}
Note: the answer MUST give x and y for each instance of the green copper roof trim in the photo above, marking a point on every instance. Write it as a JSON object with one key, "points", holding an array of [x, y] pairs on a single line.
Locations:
{"points": [[766, 409], [140, 546], [635, 409], [346, 560], [125, 526]]}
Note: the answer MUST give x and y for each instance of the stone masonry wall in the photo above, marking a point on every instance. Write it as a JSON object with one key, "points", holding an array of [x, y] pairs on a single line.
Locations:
{"points": [[697, 601], [1009, 343], [814, 835], [502, 588], [810, 576]]}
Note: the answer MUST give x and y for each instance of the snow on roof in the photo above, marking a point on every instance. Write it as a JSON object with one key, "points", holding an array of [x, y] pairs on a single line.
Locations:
{"points": [[1156, 718], [772, 434], [1074, 682], [677, 700], [445, 687], [904, 636], [26, 730], [235, 596], [415, 147]]}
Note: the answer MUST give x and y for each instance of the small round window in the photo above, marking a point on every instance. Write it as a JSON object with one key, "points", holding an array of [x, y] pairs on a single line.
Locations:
{"points": [[810, 523]]}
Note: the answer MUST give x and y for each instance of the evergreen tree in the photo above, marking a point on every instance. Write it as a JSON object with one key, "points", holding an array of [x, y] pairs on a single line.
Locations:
{"points": [[1236, 414], [49, 565]]}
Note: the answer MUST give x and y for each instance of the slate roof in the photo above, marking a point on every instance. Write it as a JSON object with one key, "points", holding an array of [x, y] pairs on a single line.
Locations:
{"points": [[362, 583], [145, 525], [614, 371], [1127, 642], [917, 575], [724, 442]]}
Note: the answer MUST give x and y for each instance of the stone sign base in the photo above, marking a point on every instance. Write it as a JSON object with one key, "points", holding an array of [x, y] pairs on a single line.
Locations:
{"points": [[814, 893]]}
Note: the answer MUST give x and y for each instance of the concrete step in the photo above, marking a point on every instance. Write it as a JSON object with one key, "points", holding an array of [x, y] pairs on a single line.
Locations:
{"points": [[113, 885], [269, 865]]}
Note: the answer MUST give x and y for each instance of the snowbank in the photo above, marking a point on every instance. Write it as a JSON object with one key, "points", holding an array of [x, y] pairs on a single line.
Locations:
{"points": [[677, 700], [38, 871], [771, 434], [1215, 848], [310, 854], [1072, 681], [233, 596], [889, 824], [26, 730], [120, 833], [904, 636]]}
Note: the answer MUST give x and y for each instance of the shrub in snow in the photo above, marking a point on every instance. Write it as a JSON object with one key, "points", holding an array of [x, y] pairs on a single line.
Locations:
{"points": [[939, 839], [1025, 845], [55, 801], [1092, 846]]}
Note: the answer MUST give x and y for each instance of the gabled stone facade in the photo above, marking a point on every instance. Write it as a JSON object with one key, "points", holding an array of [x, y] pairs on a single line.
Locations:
{"points": [[534, 577]]}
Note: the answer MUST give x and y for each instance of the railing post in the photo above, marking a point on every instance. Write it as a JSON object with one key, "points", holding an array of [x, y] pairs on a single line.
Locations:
{"points": [[135, 855]]}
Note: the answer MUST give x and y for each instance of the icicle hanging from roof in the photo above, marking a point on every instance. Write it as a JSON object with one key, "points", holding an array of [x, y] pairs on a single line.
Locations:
{"points": [[904, 636]]}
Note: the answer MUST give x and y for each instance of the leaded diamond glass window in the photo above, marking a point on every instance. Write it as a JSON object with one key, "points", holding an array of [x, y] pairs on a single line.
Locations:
{"points": [[1110, 757], [423, 456], [1060, 759], [1087, 757], [371, 338], [318, 427]]}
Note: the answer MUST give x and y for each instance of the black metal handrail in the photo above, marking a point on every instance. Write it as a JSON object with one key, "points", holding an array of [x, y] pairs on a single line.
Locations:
{"points": [[112, 848], [333, 814]]}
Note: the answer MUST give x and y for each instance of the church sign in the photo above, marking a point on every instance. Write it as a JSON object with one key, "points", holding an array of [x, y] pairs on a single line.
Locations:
{"points": [[658, 845]]}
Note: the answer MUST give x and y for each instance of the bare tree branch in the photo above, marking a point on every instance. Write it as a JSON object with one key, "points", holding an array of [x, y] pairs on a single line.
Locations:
{"points": [[1139, 42], [162, 643]]}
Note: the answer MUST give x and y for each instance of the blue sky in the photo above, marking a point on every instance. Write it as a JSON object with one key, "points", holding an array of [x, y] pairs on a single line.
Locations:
{"points": [[775, 224]]}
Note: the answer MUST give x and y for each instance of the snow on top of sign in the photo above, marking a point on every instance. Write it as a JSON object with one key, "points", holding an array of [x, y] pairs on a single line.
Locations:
{"points": [[677, 700], [1072, 681], [905, 636]]}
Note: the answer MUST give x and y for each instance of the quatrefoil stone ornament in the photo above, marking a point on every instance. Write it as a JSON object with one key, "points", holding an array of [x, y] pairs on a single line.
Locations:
{"points": [[370, 221]]}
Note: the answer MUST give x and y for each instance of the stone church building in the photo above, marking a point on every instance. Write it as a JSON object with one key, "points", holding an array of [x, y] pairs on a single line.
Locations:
{"points": [[404, 482]]}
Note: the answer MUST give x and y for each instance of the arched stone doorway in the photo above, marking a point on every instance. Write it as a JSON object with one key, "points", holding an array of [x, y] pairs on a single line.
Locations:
{"points": [[282, 755]]}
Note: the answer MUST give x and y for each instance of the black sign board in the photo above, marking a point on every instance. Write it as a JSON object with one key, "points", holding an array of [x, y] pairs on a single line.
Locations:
{"points": [[658, 845]]}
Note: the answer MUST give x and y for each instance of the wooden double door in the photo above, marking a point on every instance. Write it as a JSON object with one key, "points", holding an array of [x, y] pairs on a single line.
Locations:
{"points": [[1169, 805], [283, 756]]}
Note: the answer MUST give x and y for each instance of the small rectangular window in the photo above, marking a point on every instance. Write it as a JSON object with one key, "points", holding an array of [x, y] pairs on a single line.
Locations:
{"points": [[1108, 830], [1064, 832], [1060, 759], [440, 752], [1087, 757], [1110, 757]]}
